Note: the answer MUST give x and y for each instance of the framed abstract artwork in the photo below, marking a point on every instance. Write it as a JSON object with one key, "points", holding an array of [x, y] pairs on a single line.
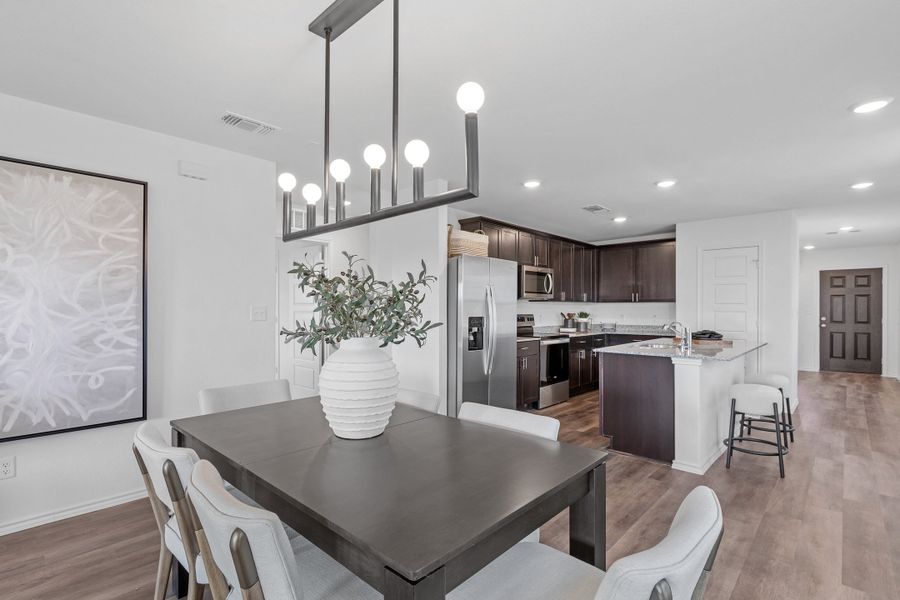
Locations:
{"points": [[72, 299]]}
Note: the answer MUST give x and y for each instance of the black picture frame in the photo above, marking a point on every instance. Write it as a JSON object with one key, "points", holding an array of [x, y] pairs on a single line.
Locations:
{"points": [[143, 310]]}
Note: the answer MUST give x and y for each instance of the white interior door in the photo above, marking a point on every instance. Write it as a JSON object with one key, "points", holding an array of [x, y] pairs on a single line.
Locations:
{"points": [[301, 369], [730, 296]]}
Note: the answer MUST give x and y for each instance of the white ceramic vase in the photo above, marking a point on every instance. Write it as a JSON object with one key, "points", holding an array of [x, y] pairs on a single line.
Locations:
{"points": [[358, 387]]}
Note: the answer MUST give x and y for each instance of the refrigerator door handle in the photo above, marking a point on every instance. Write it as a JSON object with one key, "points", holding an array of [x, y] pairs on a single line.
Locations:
{"points": [[492, 328], [486, 353]]}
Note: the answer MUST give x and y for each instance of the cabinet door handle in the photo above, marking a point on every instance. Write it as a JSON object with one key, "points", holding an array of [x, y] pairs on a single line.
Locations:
{"points": [[526, 362], [637, 296]]}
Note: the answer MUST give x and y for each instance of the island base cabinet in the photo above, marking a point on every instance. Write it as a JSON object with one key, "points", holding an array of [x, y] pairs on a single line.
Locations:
{"points": [[637, 405]]}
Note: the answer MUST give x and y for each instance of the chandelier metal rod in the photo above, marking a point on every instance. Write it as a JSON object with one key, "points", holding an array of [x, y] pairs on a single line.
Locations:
{"points": [[395, 124], [327, 153]]}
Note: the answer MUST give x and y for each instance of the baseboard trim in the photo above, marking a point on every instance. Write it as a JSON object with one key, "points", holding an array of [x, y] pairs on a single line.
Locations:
{"points": [[701, 470], [71, 511]]}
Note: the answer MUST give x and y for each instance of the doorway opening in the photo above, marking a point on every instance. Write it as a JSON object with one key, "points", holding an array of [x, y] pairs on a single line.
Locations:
{"points": [[299, 367]]}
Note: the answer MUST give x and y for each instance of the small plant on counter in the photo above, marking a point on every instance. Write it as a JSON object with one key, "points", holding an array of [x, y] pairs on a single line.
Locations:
{"points": [[354, 304], [583, 315]]}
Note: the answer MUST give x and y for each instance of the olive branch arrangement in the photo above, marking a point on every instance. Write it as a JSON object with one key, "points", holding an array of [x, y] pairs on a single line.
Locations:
{"points": [[355, 304]]}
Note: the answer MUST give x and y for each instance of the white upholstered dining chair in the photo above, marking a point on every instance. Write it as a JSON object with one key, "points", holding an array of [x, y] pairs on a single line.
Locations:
{"points": [[213, 400], [514, 420], [257, 559], [259, 562], [165, 471], [154, 456]]}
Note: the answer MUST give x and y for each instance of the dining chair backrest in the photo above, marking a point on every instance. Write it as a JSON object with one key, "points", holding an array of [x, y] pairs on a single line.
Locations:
{"points": [[253, 535], [213, 400], [154, 451], [677, 566], [429, 402], [514, 420]]}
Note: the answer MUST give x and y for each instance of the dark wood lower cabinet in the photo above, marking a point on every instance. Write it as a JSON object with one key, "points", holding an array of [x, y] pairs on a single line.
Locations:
{"points": [[528, 374], [637, 405]]}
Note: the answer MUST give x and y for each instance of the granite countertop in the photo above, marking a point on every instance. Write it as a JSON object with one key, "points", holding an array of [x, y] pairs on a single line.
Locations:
{"points": [[656, 330], [706, 351]]}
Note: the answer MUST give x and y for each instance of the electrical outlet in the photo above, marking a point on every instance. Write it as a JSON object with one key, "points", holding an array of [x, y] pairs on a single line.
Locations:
{"points": [[259, 313], [7, 467]]}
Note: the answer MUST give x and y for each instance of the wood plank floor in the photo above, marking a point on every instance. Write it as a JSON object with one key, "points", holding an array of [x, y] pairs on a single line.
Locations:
{"points": [[830, 530]]}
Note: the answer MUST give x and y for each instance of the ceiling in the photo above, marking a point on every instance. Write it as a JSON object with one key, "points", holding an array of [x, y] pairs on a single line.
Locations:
{"points": [[744, 103]]}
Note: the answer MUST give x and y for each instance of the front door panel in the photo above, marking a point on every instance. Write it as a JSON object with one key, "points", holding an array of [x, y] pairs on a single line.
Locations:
{"points": [[850, 320]]}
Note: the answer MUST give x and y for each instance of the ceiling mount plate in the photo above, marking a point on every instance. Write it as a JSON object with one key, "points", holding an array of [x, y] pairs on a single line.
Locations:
{"points": [[341, 15]]}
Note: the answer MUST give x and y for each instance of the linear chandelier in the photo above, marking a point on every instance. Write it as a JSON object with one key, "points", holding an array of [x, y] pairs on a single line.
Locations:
{"points": [[335, 20]]}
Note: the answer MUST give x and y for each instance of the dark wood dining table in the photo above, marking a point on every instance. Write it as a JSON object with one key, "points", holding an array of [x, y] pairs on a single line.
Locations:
{"points": [[417, 510]]}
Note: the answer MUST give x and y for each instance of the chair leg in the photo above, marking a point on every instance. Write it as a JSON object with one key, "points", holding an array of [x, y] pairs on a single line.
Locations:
{"points": [[163, 571], [790, 418], [778, 439], [784, 432], [731, 435], [195, 590], [743, 416]]}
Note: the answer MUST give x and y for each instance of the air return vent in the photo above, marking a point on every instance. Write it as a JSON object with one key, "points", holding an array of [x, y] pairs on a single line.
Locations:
{"points": [[595, 209], [248, 124]]}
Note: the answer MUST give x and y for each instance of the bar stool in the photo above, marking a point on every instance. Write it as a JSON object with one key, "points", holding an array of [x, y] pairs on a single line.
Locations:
{"points": [[781, 383], [758, 401]]}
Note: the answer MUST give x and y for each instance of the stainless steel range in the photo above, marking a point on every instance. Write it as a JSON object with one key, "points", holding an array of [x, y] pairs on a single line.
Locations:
{"points": [[554, 361]]}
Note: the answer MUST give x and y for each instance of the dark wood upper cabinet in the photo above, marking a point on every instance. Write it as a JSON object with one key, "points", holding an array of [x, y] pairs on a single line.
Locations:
{"points": [[616, 266], [565, 279], [509, 244], [541, 251], [640, 272], [526, 253], [655, 272]]}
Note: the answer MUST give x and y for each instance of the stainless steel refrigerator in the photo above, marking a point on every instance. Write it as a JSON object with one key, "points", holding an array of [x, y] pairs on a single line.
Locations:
{"points": [[481, 322]]}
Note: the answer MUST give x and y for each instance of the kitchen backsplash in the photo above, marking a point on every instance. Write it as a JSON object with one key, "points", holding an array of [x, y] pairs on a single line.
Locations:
{"points": [[638, 313]]}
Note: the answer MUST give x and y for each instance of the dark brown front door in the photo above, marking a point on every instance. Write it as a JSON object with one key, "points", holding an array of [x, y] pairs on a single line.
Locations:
{"points": [[850, 320]]}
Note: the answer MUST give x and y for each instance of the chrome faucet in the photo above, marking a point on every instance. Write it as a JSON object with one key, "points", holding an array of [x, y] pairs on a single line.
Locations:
{"points": [[685, 332]]}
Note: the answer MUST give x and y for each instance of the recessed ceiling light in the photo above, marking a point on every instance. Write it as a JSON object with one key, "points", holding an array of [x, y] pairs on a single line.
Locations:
{"points": [[862, 185], [666, 183], [347, 203], [620, 219], [871, 106], [846, 228], [809, 247], [531, 183]]}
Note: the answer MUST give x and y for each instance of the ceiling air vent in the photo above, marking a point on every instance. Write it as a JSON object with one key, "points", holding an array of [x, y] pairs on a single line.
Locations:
{"points": [[248, 124], [595, 209]]}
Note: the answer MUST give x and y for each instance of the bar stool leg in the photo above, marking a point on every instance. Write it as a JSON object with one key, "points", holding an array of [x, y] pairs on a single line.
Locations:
{"points": [[731, 434], [778, 439], [743, 416], [790, 417]]}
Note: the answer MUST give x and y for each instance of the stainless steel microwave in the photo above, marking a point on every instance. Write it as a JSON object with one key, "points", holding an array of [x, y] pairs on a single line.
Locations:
{"points": [[535, 283]]}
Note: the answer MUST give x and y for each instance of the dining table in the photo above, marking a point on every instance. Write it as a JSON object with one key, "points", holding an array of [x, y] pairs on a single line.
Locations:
{"points": [[415, 511]]}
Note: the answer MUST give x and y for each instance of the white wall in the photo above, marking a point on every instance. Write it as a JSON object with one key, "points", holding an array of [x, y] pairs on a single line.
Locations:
{"points": [[629, 313], [775, 234], [872, 257], [210, 257], [396, 246]]}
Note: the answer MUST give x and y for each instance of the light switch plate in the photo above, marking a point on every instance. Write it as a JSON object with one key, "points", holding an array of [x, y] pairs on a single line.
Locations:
{"points": [[259, 313]]}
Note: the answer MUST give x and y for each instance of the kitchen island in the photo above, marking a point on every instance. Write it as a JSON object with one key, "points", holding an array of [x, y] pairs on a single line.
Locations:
{"points": [[666, 404]]}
